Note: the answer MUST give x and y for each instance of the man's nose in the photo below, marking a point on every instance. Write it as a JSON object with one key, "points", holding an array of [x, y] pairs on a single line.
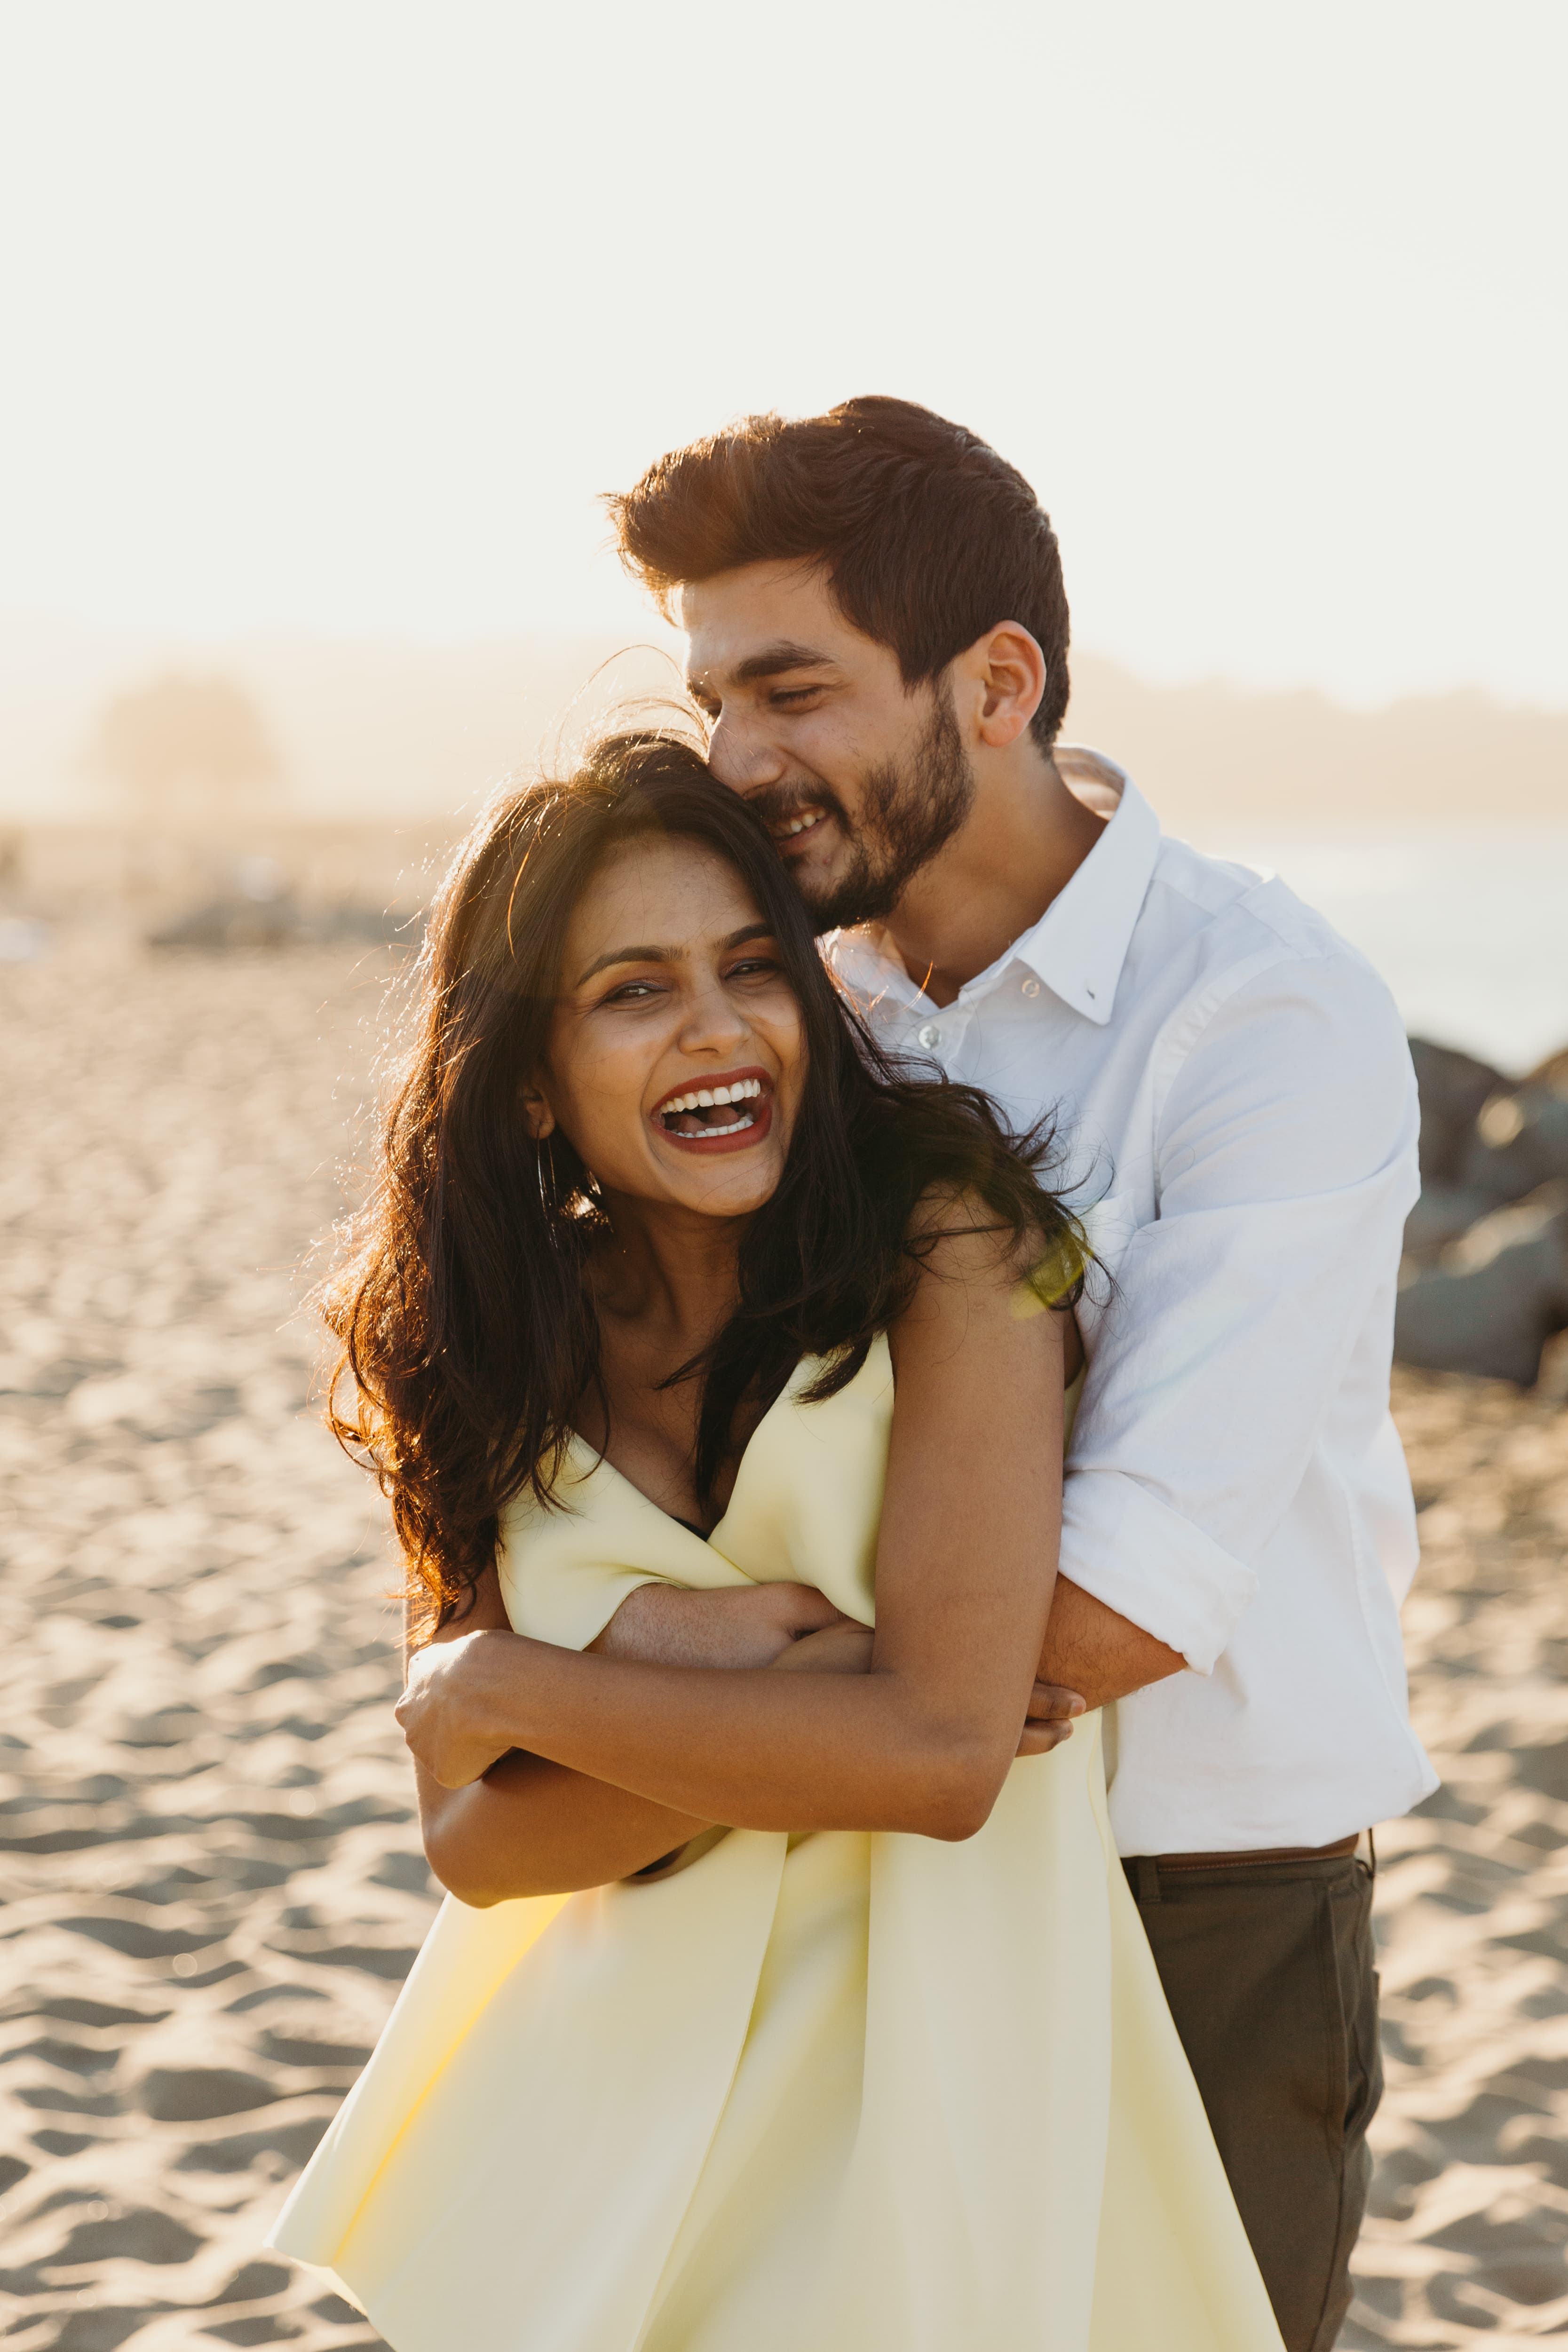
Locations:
{"points": [[740, 754]]}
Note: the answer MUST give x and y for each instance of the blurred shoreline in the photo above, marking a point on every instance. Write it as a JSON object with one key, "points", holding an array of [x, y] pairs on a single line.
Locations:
{"points": [[1465, 921]]}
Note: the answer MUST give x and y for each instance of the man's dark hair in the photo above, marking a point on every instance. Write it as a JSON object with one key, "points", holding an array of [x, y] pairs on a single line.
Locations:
{"points": [[928, 536]]}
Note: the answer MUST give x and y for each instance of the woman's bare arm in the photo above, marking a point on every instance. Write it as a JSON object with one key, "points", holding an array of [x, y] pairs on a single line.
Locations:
{"points": [[529, 1826], [966, 1562]]}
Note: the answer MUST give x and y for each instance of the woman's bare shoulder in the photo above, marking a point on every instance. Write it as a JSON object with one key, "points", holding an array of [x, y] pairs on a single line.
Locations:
{"points": [[977, 1286]]}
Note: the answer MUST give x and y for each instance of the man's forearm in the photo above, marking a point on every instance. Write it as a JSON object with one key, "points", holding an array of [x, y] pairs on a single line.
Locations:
{"points": [[1090, 1649], [531, 1827]]}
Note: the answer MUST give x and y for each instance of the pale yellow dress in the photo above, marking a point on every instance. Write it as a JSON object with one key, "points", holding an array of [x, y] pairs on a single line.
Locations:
{"points": [[839, 2093]]}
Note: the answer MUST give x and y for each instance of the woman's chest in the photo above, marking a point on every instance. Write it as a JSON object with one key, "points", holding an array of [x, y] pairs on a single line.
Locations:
{"points": [[650, 1435]]}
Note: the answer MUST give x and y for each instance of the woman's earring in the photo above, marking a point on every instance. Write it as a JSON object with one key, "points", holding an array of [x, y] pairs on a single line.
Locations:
{"points": [[545, 1202]]}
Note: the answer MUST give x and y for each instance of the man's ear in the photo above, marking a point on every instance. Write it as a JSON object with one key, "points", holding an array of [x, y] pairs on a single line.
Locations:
{"points": [[1005, 673], [536, 1110]]}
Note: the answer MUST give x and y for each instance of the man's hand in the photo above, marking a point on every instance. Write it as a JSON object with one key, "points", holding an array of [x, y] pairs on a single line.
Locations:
{"points": [[750, 1625], [449, 1710]]}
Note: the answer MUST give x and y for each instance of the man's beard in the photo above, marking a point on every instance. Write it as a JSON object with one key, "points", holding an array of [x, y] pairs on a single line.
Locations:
{"points": [[908, 813]]}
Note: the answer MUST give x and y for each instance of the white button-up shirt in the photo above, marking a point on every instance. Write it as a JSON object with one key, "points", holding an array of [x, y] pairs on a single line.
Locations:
{"points": [[1234, 1090]]}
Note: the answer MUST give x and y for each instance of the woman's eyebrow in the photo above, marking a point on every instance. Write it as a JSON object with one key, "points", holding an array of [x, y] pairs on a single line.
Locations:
{"points": [[672, 955], [627, 955]]}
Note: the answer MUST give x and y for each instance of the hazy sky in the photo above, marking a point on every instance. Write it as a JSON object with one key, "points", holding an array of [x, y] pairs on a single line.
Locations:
{"points": [[338, 312]]}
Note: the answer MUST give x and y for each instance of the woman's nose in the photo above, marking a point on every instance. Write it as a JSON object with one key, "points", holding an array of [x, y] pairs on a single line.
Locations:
{"points": [[713, 1022]]}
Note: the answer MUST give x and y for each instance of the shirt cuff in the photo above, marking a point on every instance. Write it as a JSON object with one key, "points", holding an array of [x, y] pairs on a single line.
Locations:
{"points": [[1132, 1551]]}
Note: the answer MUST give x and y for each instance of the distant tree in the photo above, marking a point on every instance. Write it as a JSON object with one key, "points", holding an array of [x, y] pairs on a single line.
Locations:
{"points": [[188, 744]]}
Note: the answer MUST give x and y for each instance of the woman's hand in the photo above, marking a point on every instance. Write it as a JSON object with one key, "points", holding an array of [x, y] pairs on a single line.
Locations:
{"points": [[1049, 1719], [449, 1711]]}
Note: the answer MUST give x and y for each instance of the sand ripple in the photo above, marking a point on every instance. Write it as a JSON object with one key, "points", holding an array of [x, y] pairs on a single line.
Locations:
{"points": [[215, 1884], [1471, 2205]]}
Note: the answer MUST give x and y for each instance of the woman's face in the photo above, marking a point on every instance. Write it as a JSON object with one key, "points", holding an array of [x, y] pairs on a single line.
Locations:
{"points": [[677, 1051]]}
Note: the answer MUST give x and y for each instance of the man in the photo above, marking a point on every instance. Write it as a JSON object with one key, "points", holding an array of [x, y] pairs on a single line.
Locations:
{"points": [[878, 634]]}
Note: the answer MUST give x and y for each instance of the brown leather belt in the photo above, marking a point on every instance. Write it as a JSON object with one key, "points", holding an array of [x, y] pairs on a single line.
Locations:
{"points": [[1255, 1854]]}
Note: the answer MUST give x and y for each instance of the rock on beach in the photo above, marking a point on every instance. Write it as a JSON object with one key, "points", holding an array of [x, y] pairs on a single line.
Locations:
{"points": [[212, 1876], [1485, 1283]]}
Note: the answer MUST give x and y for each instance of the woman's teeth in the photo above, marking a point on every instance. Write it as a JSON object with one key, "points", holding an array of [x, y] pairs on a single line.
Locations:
{"points": [[706, 1098]]}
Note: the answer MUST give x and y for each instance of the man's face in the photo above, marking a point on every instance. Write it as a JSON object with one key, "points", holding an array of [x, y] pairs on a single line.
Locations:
{"points": [[859, 780]]}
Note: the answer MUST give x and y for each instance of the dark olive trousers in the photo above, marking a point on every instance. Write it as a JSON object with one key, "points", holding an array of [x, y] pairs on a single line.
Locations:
{"points": [[1268, 1971]]}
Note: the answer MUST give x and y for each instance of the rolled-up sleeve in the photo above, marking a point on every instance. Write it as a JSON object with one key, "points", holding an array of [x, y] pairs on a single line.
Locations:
{"points": [[1284, 1121]]}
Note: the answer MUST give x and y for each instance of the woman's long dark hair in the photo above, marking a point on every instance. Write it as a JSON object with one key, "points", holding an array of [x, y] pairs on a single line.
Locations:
{"points": [[465, 1314]]}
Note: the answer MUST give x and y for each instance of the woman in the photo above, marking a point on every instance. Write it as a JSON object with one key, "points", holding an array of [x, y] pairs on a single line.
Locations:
{"points": [[685, 1329]]}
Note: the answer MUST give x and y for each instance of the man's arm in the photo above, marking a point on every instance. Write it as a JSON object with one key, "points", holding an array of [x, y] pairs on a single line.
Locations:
{"points": [[1093, 1652], [1092, 1655], [1286, 1166]]}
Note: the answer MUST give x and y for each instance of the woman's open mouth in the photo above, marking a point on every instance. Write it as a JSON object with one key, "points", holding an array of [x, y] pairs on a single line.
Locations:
{"points": [[726, 1115]]}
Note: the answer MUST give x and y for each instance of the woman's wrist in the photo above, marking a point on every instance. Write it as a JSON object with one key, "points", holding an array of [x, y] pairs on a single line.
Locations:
{"points": [[505, 1670]]}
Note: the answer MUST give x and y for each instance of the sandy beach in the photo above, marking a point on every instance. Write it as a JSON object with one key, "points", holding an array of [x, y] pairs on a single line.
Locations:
{"points": [[212, 1877]]}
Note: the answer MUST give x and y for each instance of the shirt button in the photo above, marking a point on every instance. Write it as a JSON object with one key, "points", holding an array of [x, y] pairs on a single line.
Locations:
{"points": [[929, 1036], [1031, 988]]}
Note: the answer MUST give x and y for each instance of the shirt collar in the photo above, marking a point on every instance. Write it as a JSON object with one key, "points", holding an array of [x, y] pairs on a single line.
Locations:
{"points": [[1079, 944]]}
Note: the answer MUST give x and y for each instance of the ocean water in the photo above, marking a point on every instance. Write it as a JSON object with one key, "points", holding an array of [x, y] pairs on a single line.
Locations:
{"points": [[1468, 924]]}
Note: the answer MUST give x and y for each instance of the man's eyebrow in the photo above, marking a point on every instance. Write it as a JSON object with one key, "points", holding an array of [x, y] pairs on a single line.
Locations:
{"points": [[672, 955], [781, 656]]}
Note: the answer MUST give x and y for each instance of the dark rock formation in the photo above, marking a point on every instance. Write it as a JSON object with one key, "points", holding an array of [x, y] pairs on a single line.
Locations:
{"points": [[1496, 1295], [1553, 1073], [1454, 1088], [1443, 1213], [221, 925], [1520, 1141], [225, 923]]}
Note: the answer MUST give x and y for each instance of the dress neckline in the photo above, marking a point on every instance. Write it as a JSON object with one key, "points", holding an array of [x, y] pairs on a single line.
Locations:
{"points": [[580, 1446]]}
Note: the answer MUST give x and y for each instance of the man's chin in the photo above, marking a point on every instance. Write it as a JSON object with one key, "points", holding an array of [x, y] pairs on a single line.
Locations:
{"points": [[837, 886], [847, 904]]}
